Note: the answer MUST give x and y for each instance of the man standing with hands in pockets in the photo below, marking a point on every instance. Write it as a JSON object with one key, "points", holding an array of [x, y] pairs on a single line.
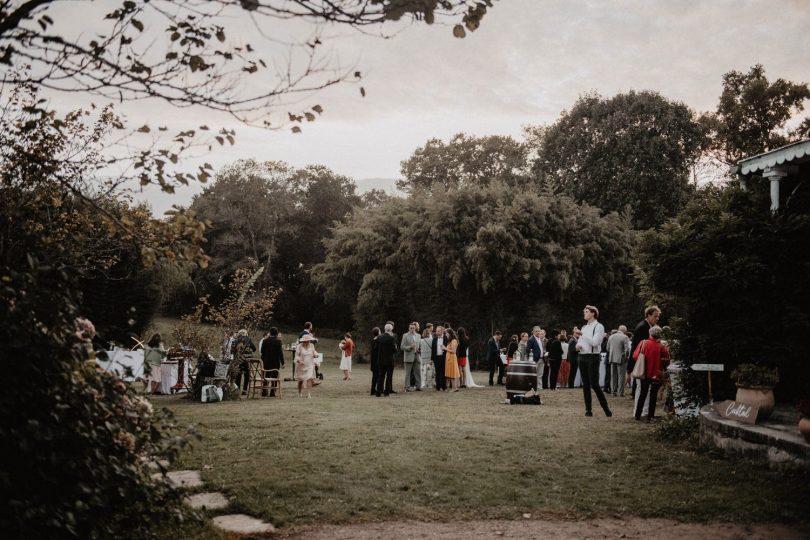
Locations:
{"points": [[410, 357], [589, 346]]}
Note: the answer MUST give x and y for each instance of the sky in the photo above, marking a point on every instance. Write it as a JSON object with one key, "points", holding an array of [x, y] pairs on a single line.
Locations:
{"points": [[529, 60]]}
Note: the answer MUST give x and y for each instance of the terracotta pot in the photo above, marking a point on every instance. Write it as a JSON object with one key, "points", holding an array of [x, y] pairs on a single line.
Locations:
{"points": [[804, 428], [761, 396]]}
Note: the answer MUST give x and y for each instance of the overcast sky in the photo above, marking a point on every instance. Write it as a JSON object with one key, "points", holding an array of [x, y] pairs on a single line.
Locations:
{"points": [[529, 60]]}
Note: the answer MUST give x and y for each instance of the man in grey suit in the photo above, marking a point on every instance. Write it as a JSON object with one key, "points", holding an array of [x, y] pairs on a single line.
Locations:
{"points": [[410, 356], [618, 345]]}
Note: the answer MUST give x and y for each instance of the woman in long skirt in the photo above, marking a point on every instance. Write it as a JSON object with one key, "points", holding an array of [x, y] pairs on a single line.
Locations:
{"points": [[305, 363]]}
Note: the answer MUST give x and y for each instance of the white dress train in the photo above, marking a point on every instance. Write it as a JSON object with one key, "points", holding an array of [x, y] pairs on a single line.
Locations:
{"points": [[469, 382]]}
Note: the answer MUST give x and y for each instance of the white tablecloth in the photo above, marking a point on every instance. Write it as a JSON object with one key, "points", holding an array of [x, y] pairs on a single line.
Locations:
{"points": [[168, 375], [125, 363]]}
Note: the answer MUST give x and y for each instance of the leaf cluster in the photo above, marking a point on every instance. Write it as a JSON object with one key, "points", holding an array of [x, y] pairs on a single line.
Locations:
{"points": [[631, 152]]}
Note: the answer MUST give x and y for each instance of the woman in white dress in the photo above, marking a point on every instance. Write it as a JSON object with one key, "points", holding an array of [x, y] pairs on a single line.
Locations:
{"points": [[305, 363]]}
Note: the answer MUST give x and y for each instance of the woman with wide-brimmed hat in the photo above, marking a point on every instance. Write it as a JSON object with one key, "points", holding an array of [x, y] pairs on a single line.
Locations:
{"points": [[305, 363]]}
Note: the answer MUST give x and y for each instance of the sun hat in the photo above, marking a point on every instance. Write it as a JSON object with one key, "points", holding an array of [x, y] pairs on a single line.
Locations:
{"points": [[306, 337]]}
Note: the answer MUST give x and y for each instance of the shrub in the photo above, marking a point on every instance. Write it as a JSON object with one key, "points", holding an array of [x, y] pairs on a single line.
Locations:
{"points": [[732, 276], [751, 375]]}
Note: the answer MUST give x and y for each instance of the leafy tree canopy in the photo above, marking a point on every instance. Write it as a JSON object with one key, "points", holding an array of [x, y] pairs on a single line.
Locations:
{"points": [[477, 256], [632, 151], [752, 114], [463, 161]]}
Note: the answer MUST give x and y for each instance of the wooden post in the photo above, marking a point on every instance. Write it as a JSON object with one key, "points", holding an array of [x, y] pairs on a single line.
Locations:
{"points": [[708, 368], [711, 401]]}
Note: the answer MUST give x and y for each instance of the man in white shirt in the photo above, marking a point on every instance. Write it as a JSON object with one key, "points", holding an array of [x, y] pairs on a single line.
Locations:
{"points": [[589, 346]]}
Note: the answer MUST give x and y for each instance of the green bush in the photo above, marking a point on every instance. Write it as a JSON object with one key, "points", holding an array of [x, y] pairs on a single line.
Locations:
{"points": [[79, 441], [732, 277], [677, 429], [751, 375]]}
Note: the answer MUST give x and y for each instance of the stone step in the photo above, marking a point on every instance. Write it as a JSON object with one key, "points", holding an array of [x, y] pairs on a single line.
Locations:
{"points": [[207, 501], [242, 524], [183, 479]]}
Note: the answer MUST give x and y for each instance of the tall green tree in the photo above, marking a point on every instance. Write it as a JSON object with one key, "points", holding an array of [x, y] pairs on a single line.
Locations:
{"points": [[277, 215], [463, 161], [632, 151], [478, 257], [752, 114]]}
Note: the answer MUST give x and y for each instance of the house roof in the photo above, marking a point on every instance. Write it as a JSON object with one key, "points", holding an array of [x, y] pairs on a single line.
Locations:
{"points": [[794, 153]]}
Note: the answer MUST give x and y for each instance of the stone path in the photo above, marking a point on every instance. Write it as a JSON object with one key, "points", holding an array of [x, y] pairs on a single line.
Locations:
{"points": [[235, 524]]}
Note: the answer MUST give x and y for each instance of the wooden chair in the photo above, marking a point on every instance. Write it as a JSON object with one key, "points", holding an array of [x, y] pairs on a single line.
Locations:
{"points": [[263, 380]]}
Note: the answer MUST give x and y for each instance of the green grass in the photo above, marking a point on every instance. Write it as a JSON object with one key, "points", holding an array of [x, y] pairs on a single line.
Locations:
{"points": [[344, 456]]}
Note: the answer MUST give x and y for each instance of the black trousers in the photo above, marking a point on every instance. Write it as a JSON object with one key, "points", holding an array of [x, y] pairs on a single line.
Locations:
{"points": [[243, 378], [589, 369], [554, 366], [385, 378], [572, 375], [441, 381], [652, 386], [496, 364], [375, 374]]}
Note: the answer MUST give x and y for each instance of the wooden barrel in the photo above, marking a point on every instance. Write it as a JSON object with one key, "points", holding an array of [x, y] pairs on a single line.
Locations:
{"points": [[520, 378]]}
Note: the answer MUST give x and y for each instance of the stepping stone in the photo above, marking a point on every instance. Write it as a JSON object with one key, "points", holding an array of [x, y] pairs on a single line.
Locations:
{"points": [[209, 501], [185, 479], [242, 524]]}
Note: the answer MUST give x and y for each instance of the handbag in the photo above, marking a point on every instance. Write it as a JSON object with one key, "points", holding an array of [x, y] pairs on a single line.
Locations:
{"points": [[641, 365]]}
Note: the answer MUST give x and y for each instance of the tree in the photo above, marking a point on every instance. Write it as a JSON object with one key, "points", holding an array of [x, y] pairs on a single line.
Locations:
{"points": [[463, 161], [248, 207], [478, 257], [752, 114], [184, 52], [632, 151], [732, 276], [276, 215]]}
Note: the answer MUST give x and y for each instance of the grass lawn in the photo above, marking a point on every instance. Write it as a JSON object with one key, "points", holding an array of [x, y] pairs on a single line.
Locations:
{"points": [[344, 456]]}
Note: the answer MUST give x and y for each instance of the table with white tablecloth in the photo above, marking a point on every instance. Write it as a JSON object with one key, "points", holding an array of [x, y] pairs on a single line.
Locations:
{"points": [[169, 372]]}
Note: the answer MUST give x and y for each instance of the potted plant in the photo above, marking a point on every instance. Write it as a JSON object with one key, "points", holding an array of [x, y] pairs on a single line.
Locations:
{"points": [[755, 387]]}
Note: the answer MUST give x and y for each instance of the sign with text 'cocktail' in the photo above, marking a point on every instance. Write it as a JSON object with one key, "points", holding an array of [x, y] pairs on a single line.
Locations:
{"points": [[708, 367], [734, 410]]}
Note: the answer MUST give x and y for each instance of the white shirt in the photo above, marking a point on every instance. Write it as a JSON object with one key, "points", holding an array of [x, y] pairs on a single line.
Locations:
{"points": [[591, 339], [439, 343]]}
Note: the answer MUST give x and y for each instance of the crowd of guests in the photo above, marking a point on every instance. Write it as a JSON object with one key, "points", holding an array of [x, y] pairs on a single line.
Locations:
{"points": [[433, 358], [438, 358]]}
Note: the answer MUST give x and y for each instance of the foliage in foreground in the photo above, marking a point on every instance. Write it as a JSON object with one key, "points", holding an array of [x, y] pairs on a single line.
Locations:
{"points": [[78, 442]]}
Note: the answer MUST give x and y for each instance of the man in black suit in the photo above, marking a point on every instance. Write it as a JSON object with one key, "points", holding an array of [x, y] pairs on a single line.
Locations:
{"points": [[537, 348], [494, 357], [555, 353], [387, 350], [438, 354], [272, 357], [572, 356]]}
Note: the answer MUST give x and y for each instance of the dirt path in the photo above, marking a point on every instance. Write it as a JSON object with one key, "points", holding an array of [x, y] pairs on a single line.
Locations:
{"points": [[630, 527]]}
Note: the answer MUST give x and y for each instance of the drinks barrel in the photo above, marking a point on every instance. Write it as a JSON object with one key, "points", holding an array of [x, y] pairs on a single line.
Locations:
{"points": [[520, 378]]}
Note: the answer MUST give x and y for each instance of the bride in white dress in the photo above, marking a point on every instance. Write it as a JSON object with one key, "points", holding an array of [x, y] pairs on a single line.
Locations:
{"points": [[468, 378]]}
